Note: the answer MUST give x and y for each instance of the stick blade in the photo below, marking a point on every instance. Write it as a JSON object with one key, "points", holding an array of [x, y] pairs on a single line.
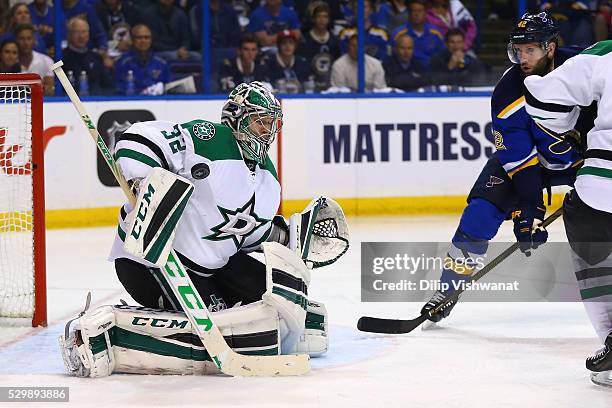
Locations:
{"points": [[239, 365], [388, 326]]}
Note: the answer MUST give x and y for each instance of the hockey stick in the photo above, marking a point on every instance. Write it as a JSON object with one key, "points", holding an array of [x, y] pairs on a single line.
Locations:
{"points": [[393, 326], [226, 359]]}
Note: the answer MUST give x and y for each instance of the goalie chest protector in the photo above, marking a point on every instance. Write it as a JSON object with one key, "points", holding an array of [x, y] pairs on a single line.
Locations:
{"points": [[231, 207]]}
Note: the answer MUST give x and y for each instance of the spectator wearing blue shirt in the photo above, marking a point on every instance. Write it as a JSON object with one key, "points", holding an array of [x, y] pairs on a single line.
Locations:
{"points": [[268, 20], [427, 39], [82, 8], [224, 26], [321, 47], [117, 18], [285, 70], [251, 5], [348, 12], [147, 69], [171, 27], [43, 19], [245, 67], [377, 40], [20, 14], [78, 58], [392, 14]]}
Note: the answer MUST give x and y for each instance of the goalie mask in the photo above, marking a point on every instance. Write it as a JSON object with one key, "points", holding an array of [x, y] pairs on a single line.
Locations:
{"points": [[255, 117]]}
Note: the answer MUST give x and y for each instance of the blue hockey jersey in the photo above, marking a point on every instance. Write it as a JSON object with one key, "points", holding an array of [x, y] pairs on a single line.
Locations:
{"points": [[519, 141]]}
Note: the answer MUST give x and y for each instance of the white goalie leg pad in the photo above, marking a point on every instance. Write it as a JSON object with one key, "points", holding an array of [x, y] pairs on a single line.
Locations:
{"points": [[287, 283], [150, 341], [162, 198], [314, 341]]}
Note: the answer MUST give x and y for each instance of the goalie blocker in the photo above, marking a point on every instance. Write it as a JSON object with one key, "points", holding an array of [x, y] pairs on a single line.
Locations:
{"points": [[131, 339]]}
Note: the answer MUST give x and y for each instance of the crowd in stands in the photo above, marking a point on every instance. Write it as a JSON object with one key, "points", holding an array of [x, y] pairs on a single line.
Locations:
{"points": [[155, 46]]}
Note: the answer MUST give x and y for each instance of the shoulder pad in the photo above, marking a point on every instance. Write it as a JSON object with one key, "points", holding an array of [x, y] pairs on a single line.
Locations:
{"points": [[212, 140], [509, 88]]}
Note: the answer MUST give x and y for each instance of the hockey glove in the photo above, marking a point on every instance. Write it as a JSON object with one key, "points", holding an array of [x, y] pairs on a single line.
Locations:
{"points": [[527, 230], [280, 230]]}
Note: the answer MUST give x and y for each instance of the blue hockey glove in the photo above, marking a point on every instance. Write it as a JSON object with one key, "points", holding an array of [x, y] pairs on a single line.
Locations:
{"points": [[526, 228]]}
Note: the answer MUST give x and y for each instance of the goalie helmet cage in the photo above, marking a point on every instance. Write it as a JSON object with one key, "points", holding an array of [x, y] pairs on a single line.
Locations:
{"points": [[22, 201]]}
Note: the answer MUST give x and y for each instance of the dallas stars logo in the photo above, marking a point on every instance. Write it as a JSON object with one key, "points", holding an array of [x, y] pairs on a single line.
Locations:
{"points": [[237, 224]]}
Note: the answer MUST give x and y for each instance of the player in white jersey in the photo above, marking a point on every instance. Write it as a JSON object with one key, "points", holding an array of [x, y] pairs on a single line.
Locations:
{"points": [[235, 199], [260, 308], [554, 101]]}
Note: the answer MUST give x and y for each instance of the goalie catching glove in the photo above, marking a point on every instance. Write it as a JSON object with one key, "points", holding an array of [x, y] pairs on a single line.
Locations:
{"points": [[319, 234]]}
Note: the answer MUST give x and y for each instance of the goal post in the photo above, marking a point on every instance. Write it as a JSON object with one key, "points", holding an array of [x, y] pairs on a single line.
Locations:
{"points": [[22, 204]]}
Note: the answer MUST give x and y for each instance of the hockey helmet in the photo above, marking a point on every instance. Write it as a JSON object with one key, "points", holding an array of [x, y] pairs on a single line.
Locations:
{"points": [[532, 28], [255, 117]]}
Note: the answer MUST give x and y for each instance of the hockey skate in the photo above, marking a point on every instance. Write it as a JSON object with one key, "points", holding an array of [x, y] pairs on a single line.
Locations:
{"points": [[602, 361], [435, 300], [601, 364]]}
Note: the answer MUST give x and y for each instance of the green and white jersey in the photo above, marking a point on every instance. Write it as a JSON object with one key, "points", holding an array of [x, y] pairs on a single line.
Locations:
{"points": [[231, 207], [554, 101]]}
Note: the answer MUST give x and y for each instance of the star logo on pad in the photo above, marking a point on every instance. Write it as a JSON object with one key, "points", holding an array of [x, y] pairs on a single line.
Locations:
{"points": [[237, 224]]}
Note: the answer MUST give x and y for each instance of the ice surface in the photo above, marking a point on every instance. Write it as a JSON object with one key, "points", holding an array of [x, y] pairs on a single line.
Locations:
{"points": [[485, 355]]}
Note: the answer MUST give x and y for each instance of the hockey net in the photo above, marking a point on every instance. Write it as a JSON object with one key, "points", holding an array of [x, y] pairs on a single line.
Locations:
{"points": [[22, 249]]}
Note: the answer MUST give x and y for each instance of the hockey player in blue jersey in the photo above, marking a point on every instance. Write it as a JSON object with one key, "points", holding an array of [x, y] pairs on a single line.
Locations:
{"points": [[527, 159]]}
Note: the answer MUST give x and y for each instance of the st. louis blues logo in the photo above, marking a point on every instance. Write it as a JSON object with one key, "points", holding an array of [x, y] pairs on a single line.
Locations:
{"points": [[493, 181]]}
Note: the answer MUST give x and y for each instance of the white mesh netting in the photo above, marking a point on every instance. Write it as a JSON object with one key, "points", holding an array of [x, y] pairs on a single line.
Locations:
{"points": [[16, 203]]}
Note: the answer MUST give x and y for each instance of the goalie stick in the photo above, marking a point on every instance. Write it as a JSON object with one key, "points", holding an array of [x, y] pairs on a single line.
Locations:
{"points": [[226, 359], [398, 326]]}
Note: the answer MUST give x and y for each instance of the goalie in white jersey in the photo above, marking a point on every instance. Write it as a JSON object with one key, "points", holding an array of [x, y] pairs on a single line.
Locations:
{"points": [[261, 308], [554, 102], [235, 198]]}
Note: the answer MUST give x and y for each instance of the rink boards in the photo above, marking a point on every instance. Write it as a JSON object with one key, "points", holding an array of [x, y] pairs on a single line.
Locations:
{"points": [[377, 155]]}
